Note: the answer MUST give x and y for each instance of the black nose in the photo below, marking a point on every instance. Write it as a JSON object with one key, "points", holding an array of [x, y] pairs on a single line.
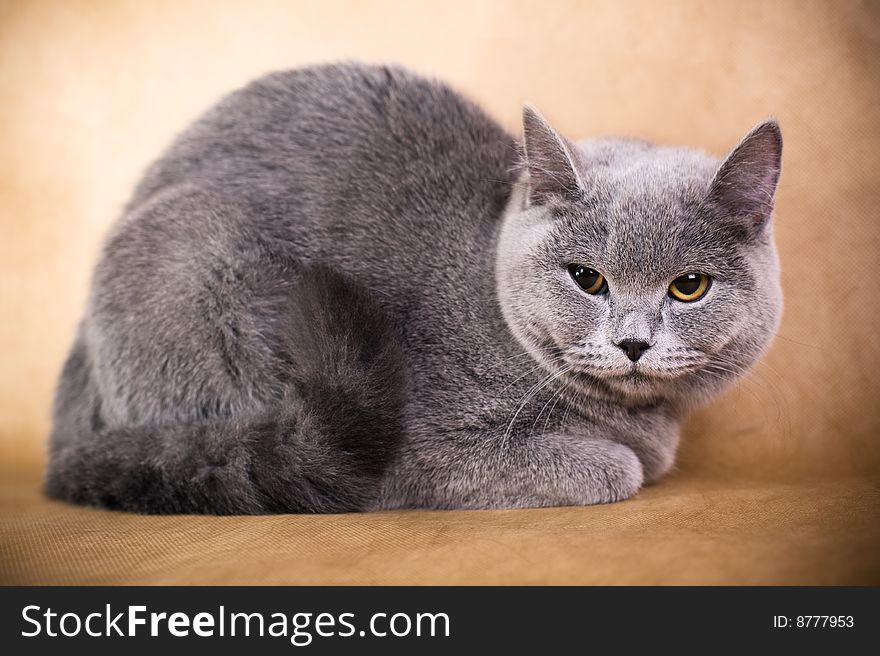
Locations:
{"points": [[633, 348]]}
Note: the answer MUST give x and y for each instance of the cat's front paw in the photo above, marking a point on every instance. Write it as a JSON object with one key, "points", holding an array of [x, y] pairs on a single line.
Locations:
{"points": [[604, 471], [619, 474]]}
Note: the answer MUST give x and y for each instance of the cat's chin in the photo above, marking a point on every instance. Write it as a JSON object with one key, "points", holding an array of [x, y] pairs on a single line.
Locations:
{"points": [[630, 388], [639, 386]]}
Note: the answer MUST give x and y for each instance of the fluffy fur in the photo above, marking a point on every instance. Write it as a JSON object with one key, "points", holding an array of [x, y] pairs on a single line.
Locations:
{"points": [[346, 288]]}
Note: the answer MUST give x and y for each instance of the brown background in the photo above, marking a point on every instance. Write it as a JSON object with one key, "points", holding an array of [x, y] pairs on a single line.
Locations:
{"points": [[92, 91]]}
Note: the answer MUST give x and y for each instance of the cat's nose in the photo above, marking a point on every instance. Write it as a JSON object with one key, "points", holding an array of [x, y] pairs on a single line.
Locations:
{"points": [[633, 348]]}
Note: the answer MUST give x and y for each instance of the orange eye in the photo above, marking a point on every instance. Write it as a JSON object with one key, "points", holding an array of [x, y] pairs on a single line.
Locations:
{"points": [[689, 287], [590, 280]]}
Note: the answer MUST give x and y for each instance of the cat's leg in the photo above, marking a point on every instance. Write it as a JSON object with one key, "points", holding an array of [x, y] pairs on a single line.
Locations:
{"points": [[185, 320], [477, 471], [212, 375], [654, 438], [324, 447]]}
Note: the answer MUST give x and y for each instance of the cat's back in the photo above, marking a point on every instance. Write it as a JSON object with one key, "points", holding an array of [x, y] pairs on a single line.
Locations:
{"points": [[377, 138]]}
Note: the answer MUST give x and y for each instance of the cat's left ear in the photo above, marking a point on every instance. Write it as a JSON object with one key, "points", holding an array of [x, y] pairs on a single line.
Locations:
{"points": [[551, 160], [745, 184]]}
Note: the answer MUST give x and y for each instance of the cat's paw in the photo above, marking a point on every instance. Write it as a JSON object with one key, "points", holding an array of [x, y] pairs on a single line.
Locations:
{"points": [[619, 475], [605, 471]]}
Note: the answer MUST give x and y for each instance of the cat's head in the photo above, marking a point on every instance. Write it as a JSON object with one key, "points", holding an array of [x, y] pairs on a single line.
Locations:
{"points": [[639, 271]]}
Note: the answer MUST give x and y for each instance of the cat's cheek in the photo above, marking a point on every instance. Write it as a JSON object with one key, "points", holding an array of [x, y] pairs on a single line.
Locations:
{"points": [[705, 325]]}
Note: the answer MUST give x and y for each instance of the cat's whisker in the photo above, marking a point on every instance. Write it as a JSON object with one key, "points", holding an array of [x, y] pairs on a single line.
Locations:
{"points": [[794, 341], [550, 412], [556, 396], [742, 370], [777, 391], [551, 362], [541, 350], [565, 414], [748, 377], [537, 387], [724, 378], [767, 390], [684, 359], [506, 182]]}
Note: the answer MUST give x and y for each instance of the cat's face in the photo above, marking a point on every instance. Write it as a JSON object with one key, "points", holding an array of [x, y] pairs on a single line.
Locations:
{"points": [[642, 272]]}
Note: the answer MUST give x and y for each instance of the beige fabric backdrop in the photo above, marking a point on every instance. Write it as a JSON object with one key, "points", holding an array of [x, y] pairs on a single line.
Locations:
{"points": [[92, 91]]}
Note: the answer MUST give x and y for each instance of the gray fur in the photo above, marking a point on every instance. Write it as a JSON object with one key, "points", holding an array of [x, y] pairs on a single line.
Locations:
{"points": [[345, 288]]}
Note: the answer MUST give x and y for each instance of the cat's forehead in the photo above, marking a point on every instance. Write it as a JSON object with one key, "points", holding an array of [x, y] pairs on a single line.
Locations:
{"points": [[631, 165], [643, 209]]}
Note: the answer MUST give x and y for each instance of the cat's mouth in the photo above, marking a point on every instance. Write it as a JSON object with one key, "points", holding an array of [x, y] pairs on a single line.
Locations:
{"points": [[601, 370], [635, 376], [640, 379]]}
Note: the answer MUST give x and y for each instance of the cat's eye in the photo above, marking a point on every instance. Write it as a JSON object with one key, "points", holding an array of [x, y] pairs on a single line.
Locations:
{"points": [[690, 287], [590, 280]]}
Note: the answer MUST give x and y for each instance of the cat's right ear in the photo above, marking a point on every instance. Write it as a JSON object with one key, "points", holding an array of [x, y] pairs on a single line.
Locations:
{"points": [[550, 159]]}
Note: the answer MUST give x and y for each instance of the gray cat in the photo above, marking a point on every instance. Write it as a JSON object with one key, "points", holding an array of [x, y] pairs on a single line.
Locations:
{"points": [[347, 288]]}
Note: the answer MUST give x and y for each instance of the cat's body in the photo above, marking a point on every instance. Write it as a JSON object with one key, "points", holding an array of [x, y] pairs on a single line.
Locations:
{"points": [[307, 308]]}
